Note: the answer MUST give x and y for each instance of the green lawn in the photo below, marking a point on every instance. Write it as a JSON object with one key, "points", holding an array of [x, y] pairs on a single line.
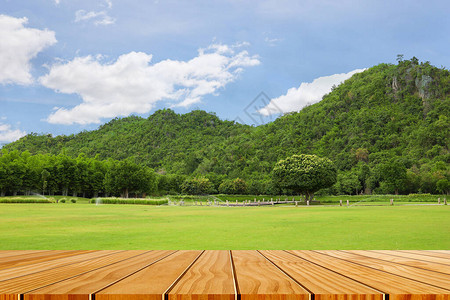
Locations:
{"points": [[81, 226]]}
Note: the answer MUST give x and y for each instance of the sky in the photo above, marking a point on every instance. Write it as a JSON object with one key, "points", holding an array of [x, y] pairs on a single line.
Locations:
{"points": [[72, 65]]}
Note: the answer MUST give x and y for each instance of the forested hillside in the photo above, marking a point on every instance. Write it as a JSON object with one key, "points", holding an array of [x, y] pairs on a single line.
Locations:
{"points": [[386, 129]]}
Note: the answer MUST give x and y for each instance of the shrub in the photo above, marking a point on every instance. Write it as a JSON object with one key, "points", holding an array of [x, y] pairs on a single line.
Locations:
{"points": [[25, 201], [197, 186], [131, 201], [73, 201], [236, 186]]}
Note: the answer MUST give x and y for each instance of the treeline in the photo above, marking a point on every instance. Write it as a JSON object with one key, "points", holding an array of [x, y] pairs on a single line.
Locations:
{"points": [[47, 174], [23, 173]]}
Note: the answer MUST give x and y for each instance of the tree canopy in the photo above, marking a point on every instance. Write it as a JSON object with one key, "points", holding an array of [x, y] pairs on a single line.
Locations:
{"points": [[305, 174]]}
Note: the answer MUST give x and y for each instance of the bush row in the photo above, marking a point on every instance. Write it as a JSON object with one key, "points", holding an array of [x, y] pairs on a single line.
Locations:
{"points": [[131, 201], [25, 201]]}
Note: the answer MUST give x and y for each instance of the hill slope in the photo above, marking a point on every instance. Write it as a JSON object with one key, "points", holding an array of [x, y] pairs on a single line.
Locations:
{"points": [[389, 119]]}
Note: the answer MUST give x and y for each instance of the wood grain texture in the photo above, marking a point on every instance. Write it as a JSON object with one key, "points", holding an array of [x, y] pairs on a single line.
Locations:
{"points": [[429, 277], [325, 284], [257, 278], [404, 261], [210, 277], [32, 258], [417, 256], [82, 286], [447, 252], [37, 280], [9, 297], [428, 253], [9, 253], [151, 282], [39, 267], [397, 287]]}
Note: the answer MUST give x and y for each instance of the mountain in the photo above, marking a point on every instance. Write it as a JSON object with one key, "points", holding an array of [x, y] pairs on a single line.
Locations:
{"points": [[386, 129]]}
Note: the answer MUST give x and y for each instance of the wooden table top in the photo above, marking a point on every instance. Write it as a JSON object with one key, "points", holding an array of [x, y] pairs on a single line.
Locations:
{"points": [[224, 275]]}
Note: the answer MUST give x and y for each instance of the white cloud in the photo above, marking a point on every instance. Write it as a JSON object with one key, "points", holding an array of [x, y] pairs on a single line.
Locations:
{"points": [[7, 134], [99, 18], [272, 41], [57, 2], [131, 84], [109, 3], [18, 45], [307, 93]]}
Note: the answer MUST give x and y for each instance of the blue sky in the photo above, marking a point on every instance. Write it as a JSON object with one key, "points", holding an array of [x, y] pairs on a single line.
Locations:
{"points": [[70, 65]]}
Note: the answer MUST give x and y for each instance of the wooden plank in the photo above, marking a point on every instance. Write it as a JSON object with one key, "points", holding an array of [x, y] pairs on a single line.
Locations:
{"points": [[257, 278], [11, 255], [8, 253], [82, 286], [9, 297], [428, 253], [398, 288], [425, 276], [417, 256], [404, 261], [210, 277], [21, 285], [51, 258], [39, 267], [325, 284], [152, 282], [441, 251], [191, 275], [25, 259]]}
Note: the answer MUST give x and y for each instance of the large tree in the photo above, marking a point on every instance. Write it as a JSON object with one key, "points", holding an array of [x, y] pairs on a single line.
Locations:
{"points": [[124, 177], [305, 174], [197, 186]]}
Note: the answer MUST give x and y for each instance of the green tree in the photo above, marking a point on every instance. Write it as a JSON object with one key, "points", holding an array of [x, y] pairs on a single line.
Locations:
{"points": [[236, 186], [13, 172], [96, 176], [125, 177], [305, 174], [443, 186], [197, 186], [44, 176], [65, 172], [393, 175], [348, 184], [3, 183]]}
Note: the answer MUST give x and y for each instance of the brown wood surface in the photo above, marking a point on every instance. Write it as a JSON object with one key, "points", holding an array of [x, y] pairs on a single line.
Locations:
{"points": [[428, 253], [82, 286], [440, 251], [429, 277], [417, 256], [404, 261], [39, 267], [258, 278], [152, 282], [37, 280], [398, 288], [225, 275], [211, 277], [32, 258], [325, 284], [8, 253]]}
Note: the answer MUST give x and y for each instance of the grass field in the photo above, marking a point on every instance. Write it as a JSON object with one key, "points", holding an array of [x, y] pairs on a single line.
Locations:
{"points": [[81, 226]]}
